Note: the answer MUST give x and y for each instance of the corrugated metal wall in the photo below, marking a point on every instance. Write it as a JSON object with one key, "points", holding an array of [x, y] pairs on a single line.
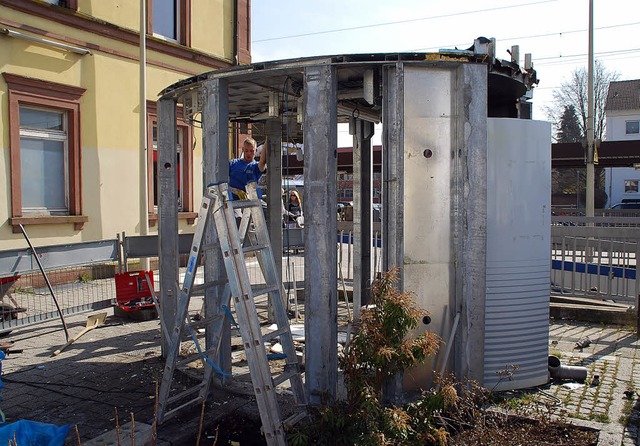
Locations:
{"points": [[518, 258]]}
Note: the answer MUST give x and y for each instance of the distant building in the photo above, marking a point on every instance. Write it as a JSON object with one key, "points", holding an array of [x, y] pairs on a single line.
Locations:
{"points": [[623, 123], [70, 110]]}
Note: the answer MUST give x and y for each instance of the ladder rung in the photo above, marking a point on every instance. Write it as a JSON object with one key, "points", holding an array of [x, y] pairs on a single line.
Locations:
{"points": [[277, 380], [198, 289], [181, 395], [206, 320], [274, 334], [193, 357], [242, 204], [254, 248], [259, 291], [174, 411], [293, 419]]}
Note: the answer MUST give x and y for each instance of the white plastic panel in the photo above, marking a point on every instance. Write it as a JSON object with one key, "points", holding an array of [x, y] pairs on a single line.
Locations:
{"points": [[518, 252]]}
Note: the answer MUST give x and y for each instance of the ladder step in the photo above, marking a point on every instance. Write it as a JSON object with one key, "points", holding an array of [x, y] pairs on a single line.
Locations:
{"points": [[254, 248], [293, 419], [185, 393], [262, 290], [274, 334], [204, 321], [243, 204], [287, 375], [199, 289], [194, 357], [174, 411]]}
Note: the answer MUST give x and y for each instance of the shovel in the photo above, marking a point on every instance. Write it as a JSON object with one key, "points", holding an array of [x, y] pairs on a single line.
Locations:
{"points": [[93, 321]]}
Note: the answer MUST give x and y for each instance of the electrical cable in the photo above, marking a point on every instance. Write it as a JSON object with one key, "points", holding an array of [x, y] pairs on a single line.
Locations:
{"points": [[532, 36], [399, 22]]}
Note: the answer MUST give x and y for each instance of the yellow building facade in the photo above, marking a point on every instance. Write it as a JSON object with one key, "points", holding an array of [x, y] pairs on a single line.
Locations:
{"points": [[70, 110]]}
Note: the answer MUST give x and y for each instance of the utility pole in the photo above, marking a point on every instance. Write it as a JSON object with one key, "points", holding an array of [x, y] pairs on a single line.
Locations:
{"points": [[144, 188], [590, 184]]}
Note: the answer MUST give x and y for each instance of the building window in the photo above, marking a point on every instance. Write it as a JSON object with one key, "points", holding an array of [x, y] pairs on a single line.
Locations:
{"points": [[71, 4], [632, 127], [170, 19], [44, 143], [630, 186], [43, 161], [184, 163]]}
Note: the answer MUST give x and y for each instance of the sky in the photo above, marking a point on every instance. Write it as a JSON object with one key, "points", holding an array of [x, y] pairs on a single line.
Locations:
{"points": [[555, 32]]}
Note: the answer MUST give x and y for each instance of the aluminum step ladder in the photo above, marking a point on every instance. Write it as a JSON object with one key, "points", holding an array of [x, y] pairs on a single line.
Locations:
{"points": [[237, 241]]}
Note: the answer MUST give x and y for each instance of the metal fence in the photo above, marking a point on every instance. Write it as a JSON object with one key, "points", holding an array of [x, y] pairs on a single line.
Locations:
{"points": [[590, 257], [80, 276], [595, 257]]}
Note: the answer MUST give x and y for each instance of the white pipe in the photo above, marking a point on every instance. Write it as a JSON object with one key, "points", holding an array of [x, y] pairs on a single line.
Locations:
{"points": [[144, 188], [589, 205], [64, 46]]}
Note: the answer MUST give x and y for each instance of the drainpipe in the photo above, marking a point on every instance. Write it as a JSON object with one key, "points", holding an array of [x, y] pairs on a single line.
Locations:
{"points": [[236, 56], [144, 189]]}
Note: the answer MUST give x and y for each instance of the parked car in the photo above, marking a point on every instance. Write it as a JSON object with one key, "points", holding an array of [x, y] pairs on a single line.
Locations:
{"points": [[627, 203]]}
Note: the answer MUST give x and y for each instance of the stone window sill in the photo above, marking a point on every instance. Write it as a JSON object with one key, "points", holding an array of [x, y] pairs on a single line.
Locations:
{"points": [[189, 216], [77, 220]]}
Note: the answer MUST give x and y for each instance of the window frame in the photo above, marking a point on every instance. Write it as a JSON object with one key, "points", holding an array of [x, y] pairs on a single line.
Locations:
{"points": [[69, 4], [186, 169], [36, 93], [49, 135], [626, 127], [631, 186], [183, 22]]}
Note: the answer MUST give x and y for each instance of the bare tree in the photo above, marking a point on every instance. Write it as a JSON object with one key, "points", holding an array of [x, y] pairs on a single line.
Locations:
{"points": [[573, 93], [571, 99]]}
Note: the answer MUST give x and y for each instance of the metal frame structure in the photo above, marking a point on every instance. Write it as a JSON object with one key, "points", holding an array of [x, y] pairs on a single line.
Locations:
{"points": [[302, 101]]}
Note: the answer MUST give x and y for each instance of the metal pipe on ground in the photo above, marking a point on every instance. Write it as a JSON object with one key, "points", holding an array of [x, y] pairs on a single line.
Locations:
{"points": [[561, 372], [46, 279]]}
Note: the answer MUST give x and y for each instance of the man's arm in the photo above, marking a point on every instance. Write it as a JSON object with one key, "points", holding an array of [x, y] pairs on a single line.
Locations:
{"points": [[262, 164]]}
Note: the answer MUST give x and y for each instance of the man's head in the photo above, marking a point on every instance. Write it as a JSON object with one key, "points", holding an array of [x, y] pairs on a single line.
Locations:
{"points": [[249, 149]]}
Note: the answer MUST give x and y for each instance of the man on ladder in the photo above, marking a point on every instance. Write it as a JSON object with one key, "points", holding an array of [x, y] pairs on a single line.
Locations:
{"points": [[246, 169]]}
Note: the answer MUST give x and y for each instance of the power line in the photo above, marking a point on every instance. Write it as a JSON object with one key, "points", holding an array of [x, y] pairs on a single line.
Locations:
{"points": [[533, 36], [454, 14]]}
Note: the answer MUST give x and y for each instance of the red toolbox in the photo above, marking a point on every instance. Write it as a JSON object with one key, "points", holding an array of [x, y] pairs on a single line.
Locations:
{"points": [[132, 290]]}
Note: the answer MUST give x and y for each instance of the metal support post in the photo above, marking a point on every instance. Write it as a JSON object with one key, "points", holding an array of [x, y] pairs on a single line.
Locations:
{"points": [[320, 229], [167, 215], [273, 131], [470, 204], [393, 169], [362, 177], [215, 161]]}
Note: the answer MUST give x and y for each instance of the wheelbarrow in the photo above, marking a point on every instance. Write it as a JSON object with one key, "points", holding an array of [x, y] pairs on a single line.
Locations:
{"points": [[9, 310]]}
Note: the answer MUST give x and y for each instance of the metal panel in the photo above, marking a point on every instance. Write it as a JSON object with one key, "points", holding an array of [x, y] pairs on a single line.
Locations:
{"points": [[21, 261], [518, 260], [428, 265], [320, 161]]}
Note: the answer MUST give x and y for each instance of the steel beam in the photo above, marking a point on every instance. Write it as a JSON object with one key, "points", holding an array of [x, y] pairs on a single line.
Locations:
{"points": [[215, 162], [469, 177], [167, 216], [362, 186], [320, 229], [393, 169], [273, 131]]}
